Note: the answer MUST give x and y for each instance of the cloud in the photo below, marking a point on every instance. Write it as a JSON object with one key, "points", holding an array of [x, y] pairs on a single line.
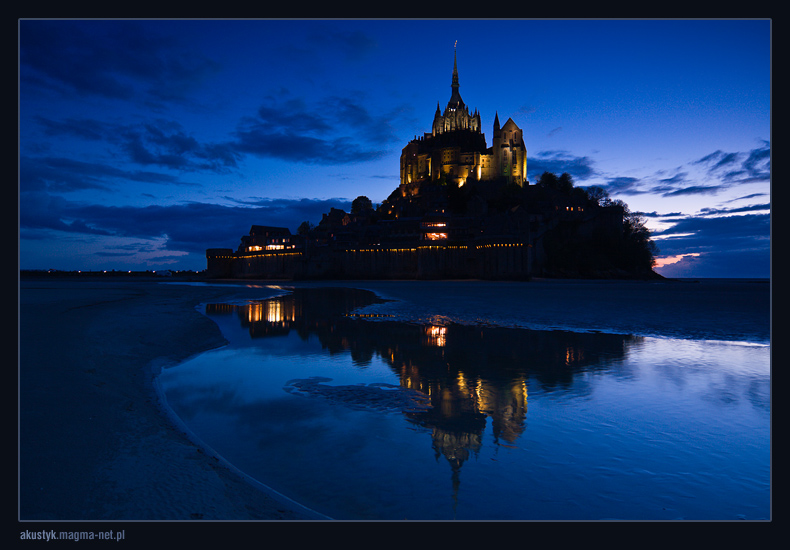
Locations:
{"points": [[110, 59], [190, 227], [704, 233], [160, 142], [623, 185], [167, 145], [332, 130], [745, 197], [722, 169], [746, 263], [581, 168], [525, 110], [57, 174], [749, 208], [695, 190], [738, 245], [739, 167], [87, 129]]}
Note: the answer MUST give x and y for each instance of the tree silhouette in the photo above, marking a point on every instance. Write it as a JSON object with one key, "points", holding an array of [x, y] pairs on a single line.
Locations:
{"points": [[565, 183], [549, 180], [305, 228], [361, 205], [632, 250]]}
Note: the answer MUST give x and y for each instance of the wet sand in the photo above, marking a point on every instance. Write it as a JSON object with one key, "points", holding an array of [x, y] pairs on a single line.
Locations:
{"points": [[94, 442]]}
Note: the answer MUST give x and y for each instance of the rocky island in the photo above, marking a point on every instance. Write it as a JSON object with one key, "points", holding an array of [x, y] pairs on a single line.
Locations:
{"points": [[462, 210]]}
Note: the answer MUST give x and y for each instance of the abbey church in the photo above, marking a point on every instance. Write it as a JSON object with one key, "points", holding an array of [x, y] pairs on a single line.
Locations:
{"points": [[456, 147]]}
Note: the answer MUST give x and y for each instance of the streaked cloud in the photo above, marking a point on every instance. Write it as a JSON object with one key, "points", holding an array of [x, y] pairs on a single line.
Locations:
{"points": [[739, 167], [66, 175], [332, 130]]}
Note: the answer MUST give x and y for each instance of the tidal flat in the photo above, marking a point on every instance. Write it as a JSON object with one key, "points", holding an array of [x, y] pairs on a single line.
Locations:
{"points": [[468, 400]]}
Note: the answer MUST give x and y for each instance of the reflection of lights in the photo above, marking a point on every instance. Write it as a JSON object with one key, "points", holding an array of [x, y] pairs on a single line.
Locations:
{"points": [[274, 312], [573, 355], [277, 313], [437, 335], [271, 312], [520, 392], [255, 312], [461, 382]]}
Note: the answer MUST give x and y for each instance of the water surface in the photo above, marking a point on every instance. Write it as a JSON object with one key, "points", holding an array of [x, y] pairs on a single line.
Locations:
{"points": [[361, 415]]}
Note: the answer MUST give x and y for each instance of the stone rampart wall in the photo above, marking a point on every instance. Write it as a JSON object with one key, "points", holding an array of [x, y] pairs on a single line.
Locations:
{"points": [[482, 261]]}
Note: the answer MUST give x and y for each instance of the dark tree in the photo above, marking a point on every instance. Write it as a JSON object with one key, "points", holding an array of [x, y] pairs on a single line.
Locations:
{"points": [[598, 196], [549, 180], [305, 228], [565, 183], [361, 205], [638, 249]]}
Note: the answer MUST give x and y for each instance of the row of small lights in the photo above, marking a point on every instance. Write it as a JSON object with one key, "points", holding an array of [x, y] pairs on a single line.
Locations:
{"points": [[378, 250]]}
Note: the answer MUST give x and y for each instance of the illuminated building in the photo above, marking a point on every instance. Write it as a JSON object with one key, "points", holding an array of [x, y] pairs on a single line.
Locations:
{"points": [[461, 210], [456, 147], [263, 237]]}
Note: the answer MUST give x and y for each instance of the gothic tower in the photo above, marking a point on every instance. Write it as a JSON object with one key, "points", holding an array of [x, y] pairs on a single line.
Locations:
{"points": [[455, 148], [456, 114]]}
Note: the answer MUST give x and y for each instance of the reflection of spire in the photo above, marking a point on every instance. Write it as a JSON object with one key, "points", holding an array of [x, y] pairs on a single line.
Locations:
{"points": [[455, 447]]}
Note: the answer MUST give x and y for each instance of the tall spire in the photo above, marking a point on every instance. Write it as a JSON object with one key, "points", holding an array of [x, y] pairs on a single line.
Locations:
{"points": [[455, 98], [455, 66]]}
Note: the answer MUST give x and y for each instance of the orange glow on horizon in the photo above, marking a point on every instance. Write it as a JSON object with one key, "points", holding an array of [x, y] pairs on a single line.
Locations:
{"points": [[669, 260]]}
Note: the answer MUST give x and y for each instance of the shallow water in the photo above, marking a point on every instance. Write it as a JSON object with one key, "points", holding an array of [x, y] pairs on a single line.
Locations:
{"points": [[330, 398]]}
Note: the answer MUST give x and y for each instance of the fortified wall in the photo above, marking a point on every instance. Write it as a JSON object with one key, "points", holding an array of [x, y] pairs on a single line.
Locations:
{"points": [[492, 260]]}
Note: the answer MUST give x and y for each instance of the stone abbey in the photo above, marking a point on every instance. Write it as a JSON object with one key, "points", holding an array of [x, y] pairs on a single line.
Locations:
{"points": [[456, 147], [462, 210]]}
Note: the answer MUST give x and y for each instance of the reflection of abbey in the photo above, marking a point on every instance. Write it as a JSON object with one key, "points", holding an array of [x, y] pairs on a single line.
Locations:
{"points": [[462, 210], [456, 147], [467, 386]]}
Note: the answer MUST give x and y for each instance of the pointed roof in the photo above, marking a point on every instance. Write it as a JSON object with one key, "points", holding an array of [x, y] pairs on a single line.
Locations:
{"points": [[510, 125], [455, 97]]}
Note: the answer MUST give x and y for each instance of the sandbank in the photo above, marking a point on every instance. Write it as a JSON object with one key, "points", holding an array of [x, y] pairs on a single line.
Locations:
{"points": [[94, 441]]}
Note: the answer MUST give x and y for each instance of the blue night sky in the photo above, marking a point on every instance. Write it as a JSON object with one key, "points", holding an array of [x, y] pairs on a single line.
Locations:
{"points": [[144, 142]]}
